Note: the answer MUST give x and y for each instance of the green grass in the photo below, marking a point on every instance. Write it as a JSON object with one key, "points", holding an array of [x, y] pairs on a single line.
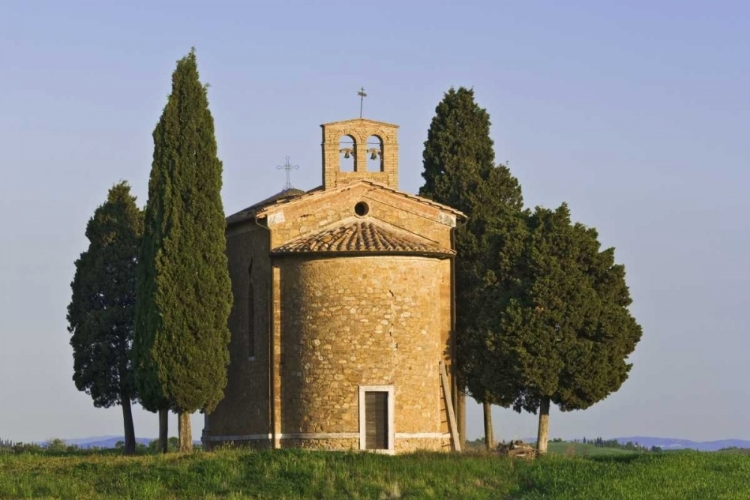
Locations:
{"points": [[585, 449], [291, 474]]}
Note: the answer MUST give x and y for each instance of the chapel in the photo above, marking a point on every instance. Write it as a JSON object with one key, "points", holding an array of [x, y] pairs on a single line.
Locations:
{"points": [[343, 317]]}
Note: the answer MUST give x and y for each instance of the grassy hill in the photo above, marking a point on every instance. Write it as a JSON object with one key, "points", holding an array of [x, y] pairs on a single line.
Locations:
{"points": [[288, 474]]}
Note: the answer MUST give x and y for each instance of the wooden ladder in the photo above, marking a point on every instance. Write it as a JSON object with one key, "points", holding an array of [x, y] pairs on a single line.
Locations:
{"points": [[449, 407]]}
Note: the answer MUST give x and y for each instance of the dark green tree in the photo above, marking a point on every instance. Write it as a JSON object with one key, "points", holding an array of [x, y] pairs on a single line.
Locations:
{"points": [[565, 331], [488, 272], [459, 171], [458, 153], [102, 309], [184, 292]]}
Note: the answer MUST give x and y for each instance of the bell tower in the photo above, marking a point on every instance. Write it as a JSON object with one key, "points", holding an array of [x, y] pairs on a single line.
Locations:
{"points": [[360, 149]]}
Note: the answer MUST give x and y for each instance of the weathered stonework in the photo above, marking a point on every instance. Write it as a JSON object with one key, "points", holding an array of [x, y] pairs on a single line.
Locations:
{"points": [[370, 311], [245, 409], [359, 131], [405, 445], [352, 321], [340, 444]]}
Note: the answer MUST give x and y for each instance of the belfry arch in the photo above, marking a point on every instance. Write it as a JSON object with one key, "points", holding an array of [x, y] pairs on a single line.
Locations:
{"points": [[347, 153], [373, 147]]}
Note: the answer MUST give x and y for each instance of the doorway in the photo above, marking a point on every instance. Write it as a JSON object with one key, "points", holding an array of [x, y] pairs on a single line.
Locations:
{"points": [[376, 418]]}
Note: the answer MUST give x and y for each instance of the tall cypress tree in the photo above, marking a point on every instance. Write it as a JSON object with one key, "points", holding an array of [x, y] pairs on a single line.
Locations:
{"points": [[565, 330], [488, 276], [183, 283], [458, 153], [102, 310], [459, 171]]}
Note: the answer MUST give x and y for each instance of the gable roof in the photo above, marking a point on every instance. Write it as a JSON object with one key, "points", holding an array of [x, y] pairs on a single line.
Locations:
{"points": [[360, 120], [281, 196], [357, 236], [293, 195]]}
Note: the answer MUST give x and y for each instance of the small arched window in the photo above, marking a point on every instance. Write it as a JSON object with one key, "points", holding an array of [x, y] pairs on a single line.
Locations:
{"points": [[374, 154], [347, 153]]}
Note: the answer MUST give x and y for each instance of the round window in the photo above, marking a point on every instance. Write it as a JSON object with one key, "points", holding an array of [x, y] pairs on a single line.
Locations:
{"points": [[361, 208]]}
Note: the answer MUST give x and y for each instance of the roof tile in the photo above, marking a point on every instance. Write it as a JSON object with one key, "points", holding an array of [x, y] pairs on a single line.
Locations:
{"points": [[361, 236]]}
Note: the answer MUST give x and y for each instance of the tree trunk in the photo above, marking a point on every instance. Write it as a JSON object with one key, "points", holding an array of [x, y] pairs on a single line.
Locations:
{"points": [[489, 437], [163, 430], [186, 433], [127, 419], [543, 434], [461, 417]]}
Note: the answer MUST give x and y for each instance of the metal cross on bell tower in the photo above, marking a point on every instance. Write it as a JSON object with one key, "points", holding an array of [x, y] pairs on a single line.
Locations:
{"points": [[288, 167], [362, 96]]}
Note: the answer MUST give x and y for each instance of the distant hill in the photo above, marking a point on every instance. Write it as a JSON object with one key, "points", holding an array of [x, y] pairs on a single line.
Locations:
{"points": [[684, 444], [668, 443], [106, 441], [663, 443]]}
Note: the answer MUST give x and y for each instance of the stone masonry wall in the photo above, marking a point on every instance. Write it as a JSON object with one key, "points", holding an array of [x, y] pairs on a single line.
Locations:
{"points": [[359, 130], [244, 409], [345, 444], [406, 445], [305, 217], [366, 320]]}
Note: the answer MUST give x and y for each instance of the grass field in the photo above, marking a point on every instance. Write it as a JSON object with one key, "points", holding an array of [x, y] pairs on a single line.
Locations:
{"points": [[288, 474], [585, 450]]}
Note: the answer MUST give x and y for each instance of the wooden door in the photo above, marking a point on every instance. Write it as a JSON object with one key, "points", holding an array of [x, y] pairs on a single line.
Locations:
{"points": [[376, 420]]}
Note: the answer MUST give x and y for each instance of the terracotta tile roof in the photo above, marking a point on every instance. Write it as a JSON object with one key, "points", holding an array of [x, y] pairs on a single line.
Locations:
{"points": [[362, 236]]}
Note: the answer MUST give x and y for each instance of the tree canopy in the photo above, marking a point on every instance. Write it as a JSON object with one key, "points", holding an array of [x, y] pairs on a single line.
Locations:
{"points": [[491, 244], [459, 171], [102, 309], [542, 311], [458, 153], [563, 332], [184, 290]]}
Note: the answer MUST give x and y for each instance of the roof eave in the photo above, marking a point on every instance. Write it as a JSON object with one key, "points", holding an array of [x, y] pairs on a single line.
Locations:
{"points": [[317, 191], [440, 254], [359, 120]]}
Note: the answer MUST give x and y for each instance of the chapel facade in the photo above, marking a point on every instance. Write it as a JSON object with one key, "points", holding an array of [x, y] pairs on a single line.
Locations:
{"points": [[343, 316]]}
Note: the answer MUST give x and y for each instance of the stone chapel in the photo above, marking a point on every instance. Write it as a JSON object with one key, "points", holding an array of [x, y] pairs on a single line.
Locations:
{"points": [[343, 315]]}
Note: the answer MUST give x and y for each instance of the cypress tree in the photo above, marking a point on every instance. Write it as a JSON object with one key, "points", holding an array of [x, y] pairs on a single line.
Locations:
{"points": [[459, 171], [102, 309], [488, 273], [565, 331], [183, 283], [458, 153]]}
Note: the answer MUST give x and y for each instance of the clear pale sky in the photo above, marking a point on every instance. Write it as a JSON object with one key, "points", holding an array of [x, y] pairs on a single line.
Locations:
{"points": [[636, 113]]}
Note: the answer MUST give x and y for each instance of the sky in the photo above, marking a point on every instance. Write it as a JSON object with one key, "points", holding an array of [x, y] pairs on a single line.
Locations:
{"points": [[635, 113]]}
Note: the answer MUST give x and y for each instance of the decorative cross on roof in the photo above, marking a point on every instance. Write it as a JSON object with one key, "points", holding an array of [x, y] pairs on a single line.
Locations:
{"points": [[362, 96], [288, 167]]}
